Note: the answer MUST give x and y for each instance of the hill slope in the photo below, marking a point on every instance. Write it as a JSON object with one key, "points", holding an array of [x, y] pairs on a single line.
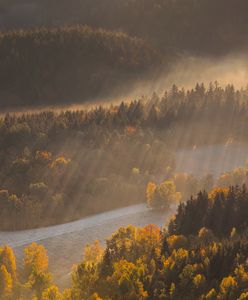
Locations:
{"points": [[182, 25], [69, 64]]}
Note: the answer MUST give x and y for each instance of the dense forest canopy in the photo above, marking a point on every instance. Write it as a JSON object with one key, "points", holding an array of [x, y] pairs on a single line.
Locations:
{"points": [[68, 65], [220, 211], [61, 165], [203, 26], [55, 66], [149, 263], [64, 165]]}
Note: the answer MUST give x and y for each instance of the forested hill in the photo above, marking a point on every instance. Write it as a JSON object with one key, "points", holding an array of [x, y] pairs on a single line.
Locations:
{"points": [[203, 26], [71, 63], [68, 64], [57, 167]]}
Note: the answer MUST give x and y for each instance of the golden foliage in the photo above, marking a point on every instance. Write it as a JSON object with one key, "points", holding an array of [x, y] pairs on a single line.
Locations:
{"points": [[6, 283], [126, 281], [228, 284], [150, 189], [241, 275], [217, 191], [35, 259], [199, 280], [131, 130], [51, 293], [95, 297], [243, 296], [7, 258], [135, 171], [162, 195], [148, 238], [211, 295], [59, 162], [93, 253], [177, 241], [43, 156]]}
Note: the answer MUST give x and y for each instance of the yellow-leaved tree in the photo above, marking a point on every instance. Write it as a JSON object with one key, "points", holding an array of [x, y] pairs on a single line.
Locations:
{"points": [[6, 283], [35, 269], [163, 195]]}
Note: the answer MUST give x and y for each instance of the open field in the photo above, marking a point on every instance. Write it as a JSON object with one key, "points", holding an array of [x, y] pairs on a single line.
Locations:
{"points": [[214, 159], [65, 243]]}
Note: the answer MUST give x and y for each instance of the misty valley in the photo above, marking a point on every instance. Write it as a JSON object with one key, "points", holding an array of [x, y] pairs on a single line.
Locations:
{"points": [[61, 166], [74, 164], [123, 150]]}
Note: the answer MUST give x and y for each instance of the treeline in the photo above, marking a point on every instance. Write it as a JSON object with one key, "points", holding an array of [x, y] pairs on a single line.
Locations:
{"points": [[68, 64], [56, 167], [181, 187], [30, 279], [203, 27], [194, 109], [220, 211], [42, 189], [197, 111], [147, 263]]}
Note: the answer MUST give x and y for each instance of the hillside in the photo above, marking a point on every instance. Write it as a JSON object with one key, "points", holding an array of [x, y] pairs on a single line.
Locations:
{"points": [[68, 65], [48, 59], [114, 115], [179, 25], [148, 263], [61, 166], [64, 243]]}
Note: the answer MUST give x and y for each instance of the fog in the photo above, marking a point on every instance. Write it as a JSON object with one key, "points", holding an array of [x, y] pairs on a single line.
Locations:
{"points": [[212, 159], [118, 113], [187, 71], [114, 154]]}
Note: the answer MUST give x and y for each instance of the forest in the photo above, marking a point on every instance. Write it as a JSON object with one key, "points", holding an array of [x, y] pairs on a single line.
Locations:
{"points": [[170, 25], [113, 116], [119, 154], [185, 261], [43, 67], [60, 52]]}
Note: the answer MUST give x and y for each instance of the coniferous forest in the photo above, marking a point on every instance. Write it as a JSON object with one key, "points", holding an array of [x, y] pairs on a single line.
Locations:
{"points": [[115, 115], [64, 65], [204, 26], [44, 180]]}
